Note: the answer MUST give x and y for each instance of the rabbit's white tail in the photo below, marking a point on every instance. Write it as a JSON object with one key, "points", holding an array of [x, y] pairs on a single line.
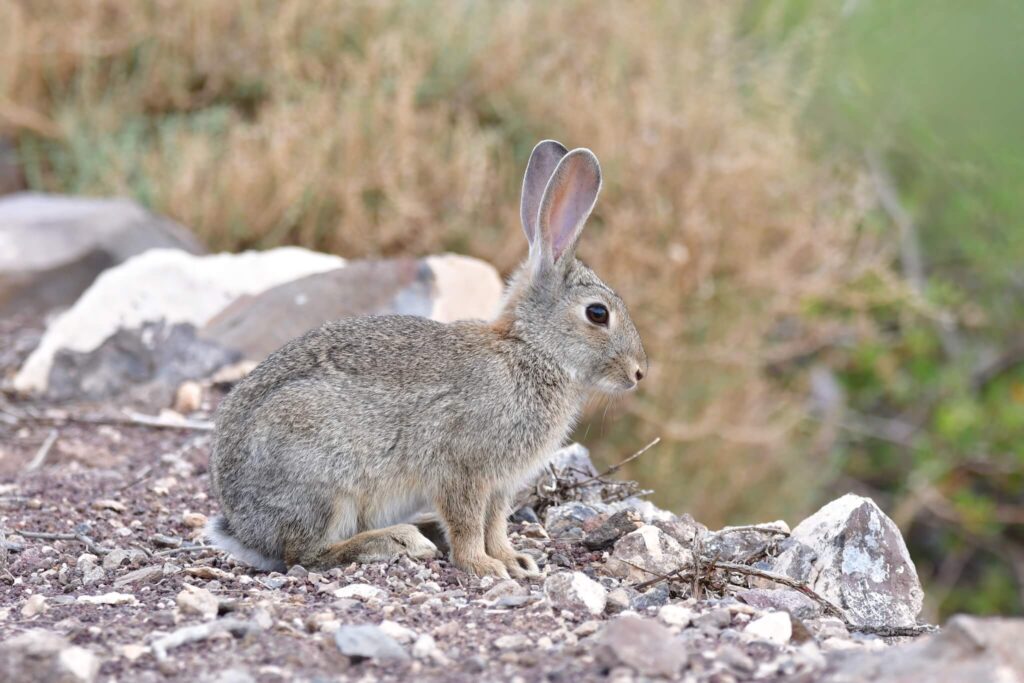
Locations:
{"points": [[218, 532]]}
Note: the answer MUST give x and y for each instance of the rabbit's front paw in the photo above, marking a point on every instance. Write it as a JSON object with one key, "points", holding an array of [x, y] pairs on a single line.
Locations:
{"points": [[483, 565]]}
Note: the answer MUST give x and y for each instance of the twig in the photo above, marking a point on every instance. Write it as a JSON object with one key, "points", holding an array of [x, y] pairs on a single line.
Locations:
{"points": [[753, 527], [615, 468], [90, 544], [182, 549], [785, 581], [894, 631], [43, 451], [169, 423], [191, 634], [130, 418]]}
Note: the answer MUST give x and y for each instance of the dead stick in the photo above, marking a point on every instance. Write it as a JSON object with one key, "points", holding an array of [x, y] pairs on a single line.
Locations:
{"points": [[43, 451], [615, 468], [182, 549], [785, 581], [90, 544], [753, 527]]}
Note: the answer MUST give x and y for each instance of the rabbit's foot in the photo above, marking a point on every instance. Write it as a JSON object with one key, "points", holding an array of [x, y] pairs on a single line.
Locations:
{"points": [[519, 565], [483, 565], [408, 540]]}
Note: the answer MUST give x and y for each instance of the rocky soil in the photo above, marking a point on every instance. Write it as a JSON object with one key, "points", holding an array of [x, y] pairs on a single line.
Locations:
{"points": [[105, 575]]}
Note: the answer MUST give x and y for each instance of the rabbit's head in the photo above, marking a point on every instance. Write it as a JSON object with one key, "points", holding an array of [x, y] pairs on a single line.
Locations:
{"points": [[555, 301]]}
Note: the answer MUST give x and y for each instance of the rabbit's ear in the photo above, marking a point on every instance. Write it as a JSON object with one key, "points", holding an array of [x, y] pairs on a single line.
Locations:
{"points": [[568, 200], [543, 159]]}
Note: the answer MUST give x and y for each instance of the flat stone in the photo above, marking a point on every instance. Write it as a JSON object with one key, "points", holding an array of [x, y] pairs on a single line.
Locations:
{"points": [[361, 591], [368, 642], [142, 575], [643, 645], [35, 604], [36, 656], [516, 641], [113, 598], [575, 591]]}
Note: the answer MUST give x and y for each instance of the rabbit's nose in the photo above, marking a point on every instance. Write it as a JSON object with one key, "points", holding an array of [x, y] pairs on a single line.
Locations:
{"points": [[639, 374]]}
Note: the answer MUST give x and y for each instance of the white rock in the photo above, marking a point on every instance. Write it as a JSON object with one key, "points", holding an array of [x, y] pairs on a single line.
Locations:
{"points": [[80, 663], [676, 615], [36, 656], [647, 553], [466, 288], [516, 641], [196, 600], [424, 647], [163, 284], [107, 599], [361, 591], [854, 555], [575, 590], [36, 604], [775, 627], [400, 633]]}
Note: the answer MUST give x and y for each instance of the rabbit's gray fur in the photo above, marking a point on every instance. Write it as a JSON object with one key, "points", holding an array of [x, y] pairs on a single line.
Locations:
{"points": [[361, 423]]}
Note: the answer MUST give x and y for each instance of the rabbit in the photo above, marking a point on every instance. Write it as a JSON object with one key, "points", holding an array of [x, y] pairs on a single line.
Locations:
{"points": [[335, 440]]}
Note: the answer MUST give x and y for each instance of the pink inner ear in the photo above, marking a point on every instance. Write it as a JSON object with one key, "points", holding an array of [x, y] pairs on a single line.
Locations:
{"points": [[572, 196]]}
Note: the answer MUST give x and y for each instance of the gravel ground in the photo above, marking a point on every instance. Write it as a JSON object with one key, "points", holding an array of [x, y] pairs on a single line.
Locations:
{"points": [[130, 502]]}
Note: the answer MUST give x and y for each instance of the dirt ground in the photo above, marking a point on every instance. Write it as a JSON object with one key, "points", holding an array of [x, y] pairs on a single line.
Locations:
{"points": [[138, 488]]}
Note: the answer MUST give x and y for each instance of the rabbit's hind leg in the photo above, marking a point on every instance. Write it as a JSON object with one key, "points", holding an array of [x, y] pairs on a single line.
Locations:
{"points": [[376, 545]]}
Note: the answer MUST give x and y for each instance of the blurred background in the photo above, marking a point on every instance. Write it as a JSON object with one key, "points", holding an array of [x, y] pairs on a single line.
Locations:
{"points": [[815, 210]]}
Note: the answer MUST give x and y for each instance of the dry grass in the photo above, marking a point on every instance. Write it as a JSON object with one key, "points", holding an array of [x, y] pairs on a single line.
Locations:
{"points": [[378, 128]]}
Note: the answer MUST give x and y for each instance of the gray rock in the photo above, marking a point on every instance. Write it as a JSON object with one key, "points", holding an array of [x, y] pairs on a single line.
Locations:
{"points": [[683, 528], [640, 644], [368, 642], [53, 247], [38, 655], [257, 325], [575, 591], [715, 619], [652, 597], [612, 529], [141, 575], [743, 544], [645, 554], [505, 589], [571, 520], [119, 556], [862, 563], [165, 293], [968, 650], [781, 599], [184, 317]]}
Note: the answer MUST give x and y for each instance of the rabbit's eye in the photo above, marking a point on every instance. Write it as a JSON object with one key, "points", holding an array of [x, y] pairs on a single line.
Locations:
{"points": [[597, 314]]}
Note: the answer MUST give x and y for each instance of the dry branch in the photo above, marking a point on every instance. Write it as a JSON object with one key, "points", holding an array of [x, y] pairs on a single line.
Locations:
{"points": [[43, 451], [90, 544]]}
